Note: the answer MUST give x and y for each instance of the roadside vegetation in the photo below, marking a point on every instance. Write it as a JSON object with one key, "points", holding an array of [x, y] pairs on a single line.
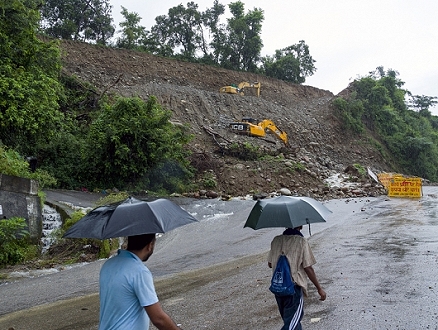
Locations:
{"points": [[399, 122], [15, 246]]}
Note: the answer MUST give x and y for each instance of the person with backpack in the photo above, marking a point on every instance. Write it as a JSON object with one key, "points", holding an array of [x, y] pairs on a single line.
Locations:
{"points": [[297, 250]]}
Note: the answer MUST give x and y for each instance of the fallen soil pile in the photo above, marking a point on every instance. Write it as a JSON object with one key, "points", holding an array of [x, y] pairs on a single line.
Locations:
{"points": [[318, 147]]}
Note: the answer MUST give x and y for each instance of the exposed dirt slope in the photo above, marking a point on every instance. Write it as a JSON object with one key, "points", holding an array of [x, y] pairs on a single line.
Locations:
{"points": [[191, 92]]}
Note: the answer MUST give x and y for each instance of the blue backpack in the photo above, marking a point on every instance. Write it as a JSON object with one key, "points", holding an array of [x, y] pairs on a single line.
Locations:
{"points": [[281, 282]]}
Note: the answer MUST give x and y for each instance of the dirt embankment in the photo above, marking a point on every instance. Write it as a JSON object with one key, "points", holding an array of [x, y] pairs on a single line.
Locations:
{"points": [[191, 92]]}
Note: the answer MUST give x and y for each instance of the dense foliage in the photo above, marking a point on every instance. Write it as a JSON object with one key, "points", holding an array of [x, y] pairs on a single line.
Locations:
{"points": [[85, 20], [123, 143], [189, 34], [29, 87], [376, 103], [131, 139], [244, 44]]}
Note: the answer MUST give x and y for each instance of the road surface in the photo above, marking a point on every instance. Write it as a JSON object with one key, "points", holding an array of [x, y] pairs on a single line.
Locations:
{"points": [[376, 258]]}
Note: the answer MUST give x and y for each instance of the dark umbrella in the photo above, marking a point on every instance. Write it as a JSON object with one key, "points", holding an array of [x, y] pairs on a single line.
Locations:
{"points": [[129, 218], [287, 212]]}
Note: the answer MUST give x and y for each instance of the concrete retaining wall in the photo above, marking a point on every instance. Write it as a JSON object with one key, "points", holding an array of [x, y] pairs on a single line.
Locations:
{"points": [[19, 198]]}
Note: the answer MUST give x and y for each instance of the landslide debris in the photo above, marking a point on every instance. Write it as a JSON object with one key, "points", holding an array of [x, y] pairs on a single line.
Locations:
{"points": [[318, 147]]}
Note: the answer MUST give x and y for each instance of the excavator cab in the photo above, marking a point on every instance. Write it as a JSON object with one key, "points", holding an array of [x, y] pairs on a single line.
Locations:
{"points": [[232, 89], [253, 127], [248, 126], [250, 120], [239, 89]]}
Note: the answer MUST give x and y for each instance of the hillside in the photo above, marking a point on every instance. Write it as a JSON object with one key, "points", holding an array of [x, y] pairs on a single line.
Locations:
{"points": [[191, 92]]}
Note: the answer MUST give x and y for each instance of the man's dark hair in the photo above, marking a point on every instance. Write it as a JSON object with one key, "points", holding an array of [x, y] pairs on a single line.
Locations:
{"points": [[138, 242]]}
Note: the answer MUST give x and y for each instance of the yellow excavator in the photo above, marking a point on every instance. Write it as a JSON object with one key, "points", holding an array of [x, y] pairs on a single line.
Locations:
{"points": [[239, 89], [253, 127]]}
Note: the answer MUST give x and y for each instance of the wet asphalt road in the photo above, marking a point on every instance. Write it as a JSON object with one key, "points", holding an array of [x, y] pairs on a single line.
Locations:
{"points": [[376, 258], [381, 267]]}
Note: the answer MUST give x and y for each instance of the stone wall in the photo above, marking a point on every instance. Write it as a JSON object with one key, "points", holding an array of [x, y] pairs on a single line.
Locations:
{"points": [[19, 198]]}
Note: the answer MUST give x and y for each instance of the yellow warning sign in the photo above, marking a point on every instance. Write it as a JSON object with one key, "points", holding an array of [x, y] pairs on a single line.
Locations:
{"points": [[385, 178], [399, 186]]}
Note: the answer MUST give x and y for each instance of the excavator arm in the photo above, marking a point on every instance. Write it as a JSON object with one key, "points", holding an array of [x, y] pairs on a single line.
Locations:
{"points": [[269, 124], [245, 84]]}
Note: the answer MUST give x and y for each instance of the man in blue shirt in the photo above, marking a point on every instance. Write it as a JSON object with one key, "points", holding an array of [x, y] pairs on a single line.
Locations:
{"points": [[127, 293]]}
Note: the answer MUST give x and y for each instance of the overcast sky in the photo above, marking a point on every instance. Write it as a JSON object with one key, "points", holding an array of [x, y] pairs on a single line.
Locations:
{"points": [[347, 38]]}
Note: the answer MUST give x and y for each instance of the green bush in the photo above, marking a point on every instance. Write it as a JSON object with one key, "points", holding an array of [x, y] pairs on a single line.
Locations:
{"points": [[15, 246], [74, 217], [62, 157], [404, 137], [12, 163], [209, 180], [362, 171], [112, 198], [132, 138], [350, 113], [245, 151]]}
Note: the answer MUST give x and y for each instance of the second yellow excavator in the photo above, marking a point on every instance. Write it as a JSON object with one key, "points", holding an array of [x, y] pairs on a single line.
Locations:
{"points": [[253, 127], [239, 89]]}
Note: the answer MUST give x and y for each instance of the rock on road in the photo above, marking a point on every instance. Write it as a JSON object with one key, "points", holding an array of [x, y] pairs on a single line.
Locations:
{"points": [[376, 260]]}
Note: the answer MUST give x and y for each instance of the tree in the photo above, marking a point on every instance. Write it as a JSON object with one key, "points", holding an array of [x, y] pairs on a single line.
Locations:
{"points": [[217, 33], [78, 20], [100, 28], [393, 85], [422, 103], [199, 36], [243, 44], [292, 63], [189, 34], [132, 32], [29, 70], [180, 30], [383, 96]]}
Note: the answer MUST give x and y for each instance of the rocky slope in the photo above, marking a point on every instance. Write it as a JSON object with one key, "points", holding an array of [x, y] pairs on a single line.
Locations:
{"points": [[318, 148]]}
